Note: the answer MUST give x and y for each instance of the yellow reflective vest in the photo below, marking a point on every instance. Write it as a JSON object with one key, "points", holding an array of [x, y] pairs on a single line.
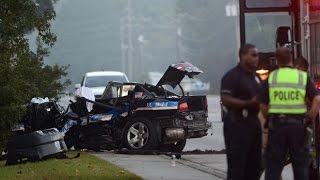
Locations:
{"points": [[287, 91]]}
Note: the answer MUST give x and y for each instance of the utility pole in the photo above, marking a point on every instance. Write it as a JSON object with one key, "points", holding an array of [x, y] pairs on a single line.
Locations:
{"points": [[123, 46], [141, 62], [130, 46], [129, 24], [178, 36]]}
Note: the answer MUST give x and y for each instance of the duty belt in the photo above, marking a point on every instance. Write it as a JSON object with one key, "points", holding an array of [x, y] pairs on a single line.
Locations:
{"points": [[287, 118]]}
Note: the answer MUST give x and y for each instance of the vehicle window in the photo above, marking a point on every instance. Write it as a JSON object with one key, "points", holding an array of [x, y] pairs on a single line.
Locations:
{"points": [[315, 49], [171, 91], [267, 3], [126, 89], [100, 81], [261, 29], [114, 92]]}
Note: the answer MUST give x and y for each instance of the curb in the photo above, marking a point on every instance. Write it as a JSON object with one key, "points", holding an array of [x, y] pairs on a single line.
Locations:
{"points": [[212, 171]]}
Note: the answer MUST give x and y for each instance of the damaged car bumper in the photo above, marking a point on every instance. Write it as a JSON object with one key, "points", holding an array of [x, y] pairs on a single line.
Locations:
{"points": [[178, 129]]}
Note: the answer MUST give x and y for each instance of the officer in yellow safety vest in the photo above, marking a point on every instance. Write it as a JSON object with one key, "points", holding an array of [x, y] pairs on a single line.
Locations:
{"points": [[283, 102]]}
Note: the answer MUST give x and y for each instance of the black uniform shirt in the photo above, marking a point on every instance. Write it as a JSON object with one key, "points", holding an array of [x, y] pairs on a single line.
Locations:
{"points": [[310, 91], [241, 84]]}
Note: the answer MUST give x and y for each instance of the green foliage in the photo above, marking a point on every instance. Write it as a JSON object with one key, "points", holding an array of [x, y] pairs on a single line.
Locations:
{"points": [[23, 72]]}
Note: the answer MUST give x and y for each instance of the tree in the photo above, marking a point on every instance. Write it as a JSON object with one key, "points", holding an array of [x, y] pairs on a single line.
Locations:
{"points": [[23, 72]]}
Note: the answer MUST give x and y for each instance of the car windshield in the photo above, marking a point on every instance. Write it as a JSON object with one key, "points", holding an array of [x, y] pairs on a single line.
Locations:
{"points": [[101, 81]]}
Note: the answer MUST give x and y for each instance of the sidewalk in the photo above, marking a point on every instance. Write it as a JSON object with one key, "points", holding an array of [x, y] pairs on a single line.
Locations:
{"points": [[153, 167]]}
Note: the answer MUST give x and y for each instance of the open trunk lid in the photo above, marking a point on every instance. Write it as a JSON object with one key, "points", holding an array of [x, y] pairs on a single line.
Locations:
{"points": [[176, 72]]}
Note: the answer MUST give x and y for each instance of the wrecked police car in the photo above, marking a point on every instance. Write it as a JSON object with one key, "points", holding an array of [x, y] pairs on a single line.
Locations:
{"points": [[137, 116]]}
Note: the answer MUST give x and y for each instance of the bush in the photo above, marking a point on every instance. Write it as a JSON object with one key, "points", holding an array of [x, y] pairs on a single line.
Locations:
{"points": [[23, 72]]}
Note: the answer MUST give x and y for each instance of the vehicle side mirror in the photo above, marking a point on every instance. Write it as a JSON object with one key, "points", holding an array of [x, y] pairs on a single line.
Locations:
{"points": [[77, 86], [283, 36]]}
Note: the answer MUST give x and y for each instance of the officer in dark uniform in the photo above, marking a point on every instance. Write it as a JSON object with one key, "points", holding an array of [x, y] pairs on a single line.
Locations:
{"points": [[242, 131], [283, 103]]}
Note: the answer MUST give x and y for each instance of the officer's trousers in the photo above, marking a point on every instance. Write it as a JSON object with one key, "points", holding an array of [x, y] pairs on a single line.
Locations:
{"points": [[287, 138], [243, 148]]}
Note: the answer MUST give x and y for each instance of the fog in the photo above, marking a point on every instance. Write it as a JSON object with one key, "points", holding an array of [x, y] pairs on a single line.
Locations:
{"points": [[143, 36]]}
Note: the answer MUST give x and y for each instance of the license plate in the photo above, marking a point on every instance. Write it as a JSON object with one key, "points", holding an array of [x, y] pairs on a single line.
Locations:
{"points": [[196, 123]]}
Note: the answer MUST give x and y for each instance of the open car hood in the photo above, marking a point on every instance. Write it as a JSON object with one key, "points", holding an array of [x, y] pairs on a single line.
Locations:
{"points": [[176, 72]]}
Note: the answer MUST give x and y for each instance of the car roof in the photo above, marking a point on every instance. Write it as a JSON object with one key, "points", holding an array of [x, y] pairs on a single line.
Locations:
{"points": [[104, 73]]}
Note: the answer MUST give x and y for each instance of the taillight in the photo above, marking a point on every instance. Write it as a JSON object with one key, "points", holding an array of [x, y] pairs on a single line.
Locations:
{"points": [[183, 107], [317, 85]]}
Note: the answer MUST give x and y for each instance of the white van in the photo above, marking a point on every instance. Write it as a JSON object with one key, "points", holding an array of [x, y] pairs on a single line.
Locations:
{"points": [[98, 80]]}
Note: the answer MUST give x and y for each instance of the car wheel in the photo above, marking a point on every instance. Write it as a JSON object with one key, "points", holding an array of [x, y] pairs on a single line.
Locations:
{"points": [[140, 134], [175, 147]]}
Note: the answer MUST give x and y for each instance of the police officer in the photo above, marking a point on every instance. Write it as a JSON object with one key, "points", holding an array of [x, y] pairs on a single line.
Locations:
{"points": [[242, 131], [283, 103]]}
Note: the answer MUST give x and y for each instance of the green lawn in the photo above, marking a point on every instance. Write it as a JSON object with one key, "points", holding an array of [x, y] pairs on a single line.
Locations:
{"points": [[85, 167]]}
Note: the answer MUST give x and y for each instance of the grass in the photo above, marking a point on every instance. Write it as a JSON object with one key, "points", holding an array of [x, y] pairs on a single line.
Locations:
{"points": [[85, 167]]}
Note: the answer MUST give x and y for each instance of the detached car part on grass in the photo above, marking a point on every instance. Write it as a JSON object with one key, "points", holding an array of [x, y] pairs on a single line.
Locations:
{"points": [[135, 116], [35, 146]]}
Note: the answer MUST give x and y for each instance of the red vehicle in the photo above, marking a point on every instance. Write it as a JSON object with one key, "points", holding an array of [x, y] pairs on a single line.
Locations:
{"points": [[269, 24]]}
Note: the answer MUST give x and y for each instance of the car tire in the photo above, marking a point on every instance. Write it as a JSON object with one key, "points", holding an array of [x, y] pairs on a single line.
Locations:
{"points": [[140, 134], [175, 147]]}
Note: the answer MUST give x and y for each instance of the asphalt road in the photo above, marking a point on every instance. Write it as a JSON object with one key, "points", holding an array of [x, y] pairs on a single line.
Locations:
{"points": [[214, 140]]}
